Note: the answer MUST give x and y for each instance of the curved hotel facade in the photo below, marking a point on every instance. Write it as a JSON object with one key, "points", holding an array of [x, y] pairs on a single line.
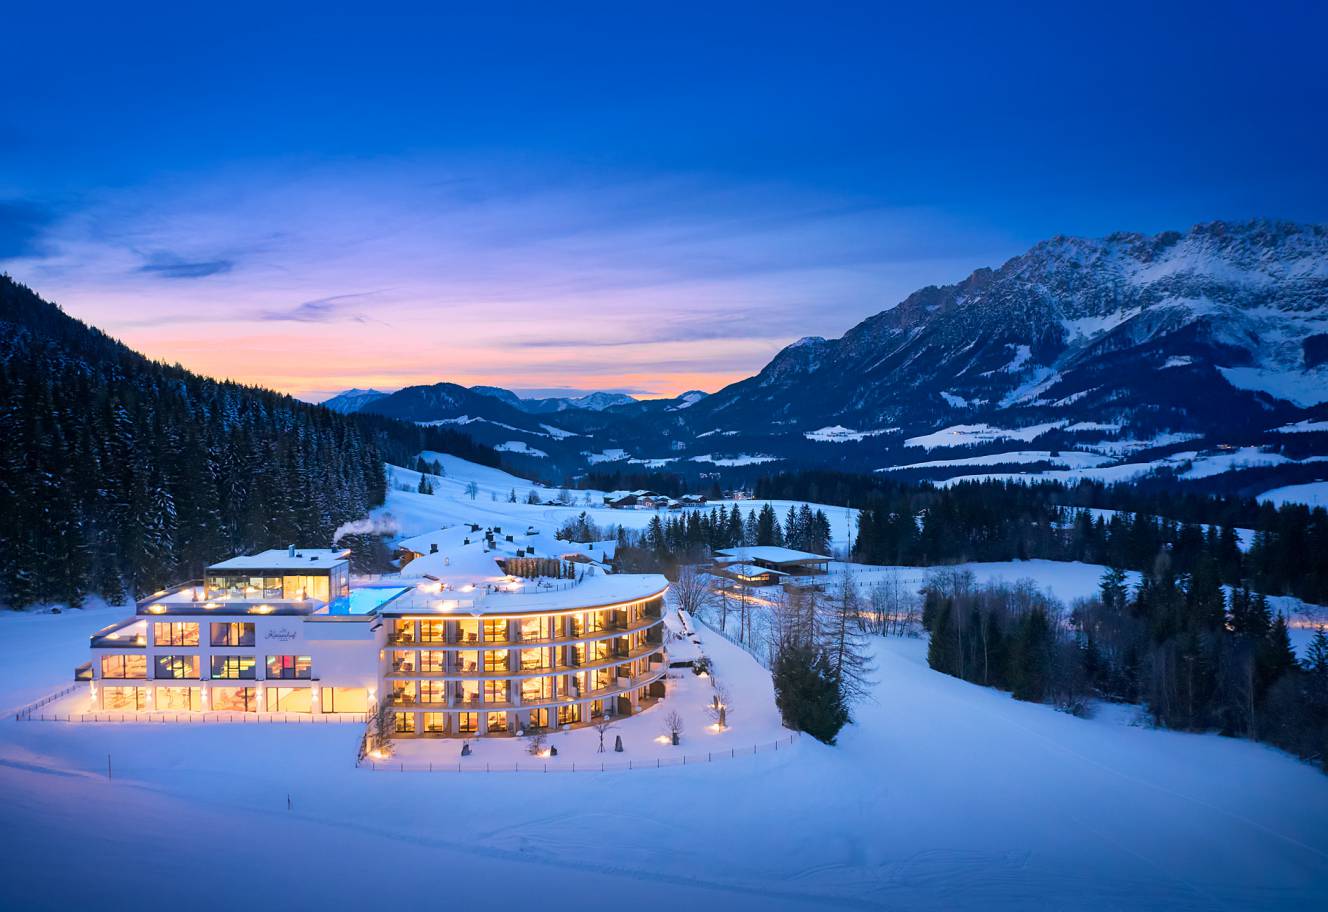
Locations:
{"points": [[521, 654]]}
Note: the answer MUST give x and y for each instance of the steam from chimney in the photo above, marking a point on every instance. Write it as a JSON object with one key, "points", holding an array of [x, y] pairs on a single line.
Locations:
{"points": [[370, 525]]}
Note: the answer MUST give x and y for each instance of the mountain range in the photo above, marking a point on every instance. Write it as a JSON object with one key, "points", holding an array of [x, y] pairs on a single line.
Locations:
{"points": [[1127, 348]]}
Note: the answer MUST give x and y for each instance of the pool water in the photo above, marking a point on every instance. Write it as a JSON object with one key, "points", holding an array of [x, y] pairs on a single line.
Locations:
{"points": [[365, 600]]}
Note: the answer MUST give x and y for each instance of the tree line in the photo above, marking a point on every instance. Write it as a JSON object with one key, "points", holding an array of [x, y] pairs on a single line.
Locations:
{"points": [[1197, 656], [692, 535], [120, 475], [920, 525]]}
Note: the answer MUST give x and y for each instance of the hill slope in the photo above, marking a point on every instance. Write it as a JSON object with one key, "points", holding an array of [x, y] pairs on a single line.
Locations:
{"points": [[119, 474]]}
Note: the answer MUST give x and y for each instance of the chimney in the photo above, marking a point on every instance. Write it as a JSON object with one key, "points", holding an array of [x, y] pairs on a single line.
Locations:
{"points": [[290, 550]]}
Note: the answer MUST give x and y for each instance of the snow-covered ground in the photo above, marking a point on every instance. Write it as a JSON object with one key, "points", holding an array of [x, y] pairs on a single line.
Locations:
{"points": [[943, 796], [413, 513], [1314, 494]]}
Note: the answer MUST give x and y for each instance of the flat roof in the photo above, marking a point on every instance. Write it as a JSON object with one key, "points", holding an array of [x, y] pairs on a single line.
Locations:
{"points": [[772, 553], [532, 596], [282, 559]]}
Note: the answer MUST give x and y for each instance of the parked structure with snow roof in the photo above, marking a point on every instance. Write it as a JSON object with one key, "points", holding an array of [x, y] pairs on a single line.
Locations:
{"points": [[786, 560]]}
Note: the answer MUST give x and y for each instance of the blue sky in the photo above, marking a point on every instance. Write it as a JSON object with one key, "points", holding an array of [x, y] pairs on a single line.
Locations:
{"points": [[610, 196]]}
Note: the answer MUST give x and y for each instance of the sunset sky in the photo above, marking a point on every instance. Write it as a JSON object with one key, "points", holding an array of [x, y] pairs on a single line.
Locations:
{"points": [[639, 198]]}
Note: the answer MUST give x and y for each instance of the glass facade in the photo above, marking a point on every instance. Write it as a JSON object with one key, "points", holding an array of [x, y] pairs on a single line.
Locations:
{"points": [[175, 633], [289, 667], [124, 666], [234, 667], [233, 633], [235, 699], [176, 666]]}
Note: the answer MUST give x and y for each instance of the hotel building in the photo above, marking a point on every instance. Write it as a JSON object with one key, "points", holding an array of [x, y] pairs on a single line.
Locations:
{"points": [[455, 647]]}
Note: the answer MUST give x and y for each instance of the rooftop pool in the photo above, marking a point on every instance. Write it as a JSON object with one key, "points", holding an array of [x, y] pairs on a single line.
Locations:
{"points": [[365, 599]]}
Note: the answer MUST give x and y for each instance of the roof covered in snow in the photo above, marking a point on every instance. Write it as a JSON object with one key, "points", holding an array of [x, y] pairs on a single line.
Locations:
{"points": [[771, 553], [286, 559], [507, 595]]}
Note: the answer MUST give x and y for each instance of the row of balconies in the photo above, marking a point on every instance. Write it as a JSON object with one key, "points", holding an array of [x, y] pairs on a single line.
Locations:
{"points": [[408, 668], [408, 637], [455, 699]]}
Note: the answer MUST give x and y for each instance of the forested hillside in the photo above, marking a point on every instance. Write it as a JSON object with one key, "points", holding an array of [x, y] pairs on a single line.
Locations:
{"points": [[119, 475]]}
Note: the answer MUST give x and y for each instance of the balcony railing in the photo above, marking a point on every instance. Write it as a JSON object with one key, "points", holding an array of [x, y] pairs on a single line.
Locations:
{"points": [[474, 641]]}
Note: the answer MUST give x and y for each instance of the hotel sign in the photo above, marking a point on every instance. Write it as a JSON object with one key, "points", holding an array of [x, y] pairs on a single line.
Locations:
{"points": [[281, 634]]}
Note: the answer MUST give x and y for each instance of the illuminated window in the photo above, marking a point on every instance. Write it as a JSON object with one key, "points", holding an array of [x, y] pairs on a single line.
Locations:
{"points": [[567, 715], [433, 661], [176, 667], [539, 718], [534, 659], [495, 631], [233, 633], [433, 631], [534, 690], [468, 723], [234, 668], [234, 699], [495, 660], [403, 723], [433, 692], [128, 699], [345, 699], [497, 722], [180, 699], [175, 633], [469, 693], [289, 699], [435, 723], [495, 691], [289, 667], [124, 666]]}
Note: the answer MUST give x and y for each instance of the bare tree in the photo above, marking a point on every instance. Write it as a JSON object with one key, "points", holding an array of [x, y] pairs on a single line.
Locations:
{"points": [[692, 591], [719, 707], [602, 725], [535, 741], [894, 609], [673, 725]]}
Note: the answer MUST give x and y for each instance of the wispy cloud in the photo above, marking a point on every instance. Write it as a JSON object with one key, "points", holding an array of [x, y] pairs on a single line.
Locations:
{"points": [[172, 266], [322, 310], [643, 283]]}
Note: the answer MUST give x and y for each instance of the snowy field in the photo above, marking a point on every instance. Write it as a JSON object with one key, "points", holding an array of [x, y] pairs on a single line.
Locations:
{"points": [[943, 796], [414, 514], [1314, 494]]}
